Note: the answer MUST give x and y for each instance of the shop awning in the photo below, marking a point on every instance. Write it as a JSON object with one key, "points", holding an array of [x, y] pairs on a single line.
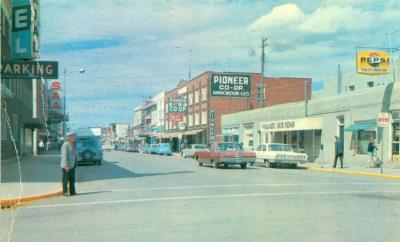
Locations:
{"points": [[361, 126], [193, 132], [34, 123]]}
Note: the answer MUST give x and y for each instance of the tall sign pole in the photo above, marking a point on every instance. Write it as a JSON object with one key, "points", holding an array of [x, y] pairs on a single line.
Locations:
{"points": [[263, 45]]}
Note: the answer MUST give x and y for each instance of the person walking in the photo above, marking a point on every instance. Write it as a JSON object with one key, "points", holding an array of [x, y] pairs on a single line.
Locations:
{"points": [[41, 147], [338, 152], [371, 149], [68, 164]]}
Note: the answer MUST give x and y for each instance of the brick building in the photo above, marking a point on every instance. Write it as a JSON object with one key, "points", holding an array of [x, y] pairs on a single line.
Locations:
{"points": [[201, 121]]}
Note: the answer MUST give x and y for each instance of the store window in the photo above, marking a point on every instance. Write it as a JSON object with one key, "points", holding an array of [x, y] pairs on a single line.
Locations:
{"points": [[204, 93], [190, 97], [396, 141], [361, 140], [190, 120], [197, 119], [204, 117], [197, 96]]}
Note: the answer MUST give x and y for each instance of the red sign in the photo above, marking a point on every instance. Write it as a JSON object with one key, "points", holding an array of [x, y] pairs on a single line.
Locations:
{"points": [[56, 105], [175, 117], [56, 96], [56, 85]]}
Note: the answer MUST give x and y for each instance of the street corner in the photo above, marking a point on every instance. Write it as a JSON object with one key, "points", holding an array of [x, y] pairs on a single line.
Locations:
{"points": [[18, 202]]}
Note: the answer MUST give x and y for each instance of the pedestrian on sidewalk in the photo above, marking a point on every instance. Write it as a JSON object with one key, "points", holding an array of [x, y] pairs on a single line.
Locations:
{"points": [[68, 164], [372, 147], [338, 152], [41, 147]]}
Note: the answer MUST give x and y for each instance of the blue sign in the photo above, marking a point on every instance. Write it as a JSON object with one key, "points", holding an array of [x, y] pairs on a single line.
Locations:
{"points": [[25, 29]]}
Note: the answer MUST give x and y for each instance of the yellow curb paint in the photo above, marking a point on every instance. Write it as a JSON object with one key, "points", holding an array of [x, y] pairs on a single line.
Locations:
{"points": [[16, 202], [356, 173]]}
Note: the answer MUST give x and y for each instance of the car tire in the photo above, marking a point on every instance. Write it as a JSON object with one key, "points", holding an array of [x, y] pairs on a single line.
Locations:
{"points": [[226, 166], [268, 164], [243, 166], [215, 165], [183, 155]]}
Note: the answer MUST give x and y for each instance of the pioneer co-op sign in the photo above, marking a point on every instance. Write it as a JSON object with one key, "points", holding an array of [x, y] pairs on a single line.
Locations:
{"points": [[230, 85], [373, 62]]}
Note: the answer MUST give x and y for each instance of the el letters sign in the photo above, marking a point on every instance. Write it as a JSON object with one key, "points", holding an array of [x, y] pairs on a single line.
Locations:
{"points": [[373, 62], [29, 69], [25, 29], [230, 85]]}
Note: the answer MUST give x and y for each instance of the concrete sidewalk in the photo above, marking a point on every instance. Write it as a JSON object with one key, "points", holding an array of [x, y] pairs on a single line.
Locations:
{"points": [[390, 169], [40, 175]]}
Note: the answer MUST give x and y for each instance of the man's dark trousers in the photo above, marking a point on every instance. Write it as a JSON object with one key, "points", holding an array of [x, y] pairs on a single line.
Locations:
{"points": [[340, 156], [69, 177]]}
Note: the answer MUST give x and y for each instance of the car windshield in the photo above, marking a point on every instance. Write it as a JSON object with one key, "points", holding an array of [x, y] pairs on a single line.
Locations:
{"points": [[85, 143], [279, 147], [229, 146]]}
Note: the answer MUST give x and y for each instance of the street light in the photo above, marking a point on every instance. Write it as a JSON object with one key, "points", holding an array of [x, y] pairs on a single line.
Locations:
{"points": [[389, 34], [81, 71]]}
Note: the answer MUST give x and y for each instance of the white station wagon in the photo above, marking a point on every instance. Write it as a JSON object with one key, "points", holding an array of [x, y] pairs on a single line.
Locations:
{"points": [[189, 152], [271, 155]]}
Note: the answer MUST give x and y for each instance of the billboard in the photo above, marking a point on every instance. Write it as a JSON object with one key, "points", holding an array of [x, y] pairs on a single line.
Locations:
{"points": [[25, 29], [373, 62], [230, 85], [177, 105]]}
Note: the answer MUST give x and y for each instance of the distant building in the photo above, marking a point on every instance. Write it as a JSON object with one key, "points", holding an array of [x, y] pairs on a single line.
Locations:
{"points": [[207, 100]]}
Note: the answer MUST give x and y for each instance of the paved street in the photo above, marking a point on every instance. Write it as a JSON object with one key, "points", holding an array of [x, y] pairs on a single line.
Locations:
{"points": [[137, 197]]}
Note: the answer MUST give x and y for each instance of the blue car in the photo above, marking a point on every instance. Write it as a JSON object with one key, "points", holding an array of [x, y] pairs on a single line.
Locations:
{"points": [[163, 149], [89, 149]]}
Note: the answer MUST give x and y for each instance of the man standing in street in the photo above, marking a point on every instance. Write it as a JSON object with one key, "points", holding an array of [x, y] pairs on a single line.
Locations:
{"points": [[68, 164], [338, 152]]}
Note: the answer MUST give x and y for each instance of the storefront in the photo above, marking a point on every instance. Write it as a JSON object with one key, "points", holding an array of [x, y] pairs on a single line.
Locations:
{"points": [[362, 131], [304, 135]]}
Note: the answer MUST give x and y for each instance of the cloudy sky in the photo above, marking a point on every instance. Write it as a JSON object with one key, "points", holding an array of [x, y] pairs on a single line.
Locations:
{"points": [[135, 49]]}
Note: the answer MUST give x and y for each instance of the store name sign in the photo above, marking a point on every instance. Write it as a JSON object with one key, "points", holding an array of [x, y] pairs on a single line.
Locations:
{"points": [[373, 62], [230, 85], [212, 126], [295, 124], [29, 69], [384, 119], [177, 105], [25, 29]]}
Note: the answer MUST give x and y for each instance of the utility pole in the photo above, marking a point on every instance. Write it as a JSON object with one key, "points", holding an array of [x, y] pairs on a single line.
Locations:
{"points": [[262, 96], [190, 64], [305, 98]]}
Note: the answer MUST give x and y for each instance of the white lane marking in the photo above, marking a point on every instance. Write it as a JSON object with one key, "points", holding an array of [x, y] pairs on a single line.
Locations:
{"points": [[242, 185], [240, 195]]}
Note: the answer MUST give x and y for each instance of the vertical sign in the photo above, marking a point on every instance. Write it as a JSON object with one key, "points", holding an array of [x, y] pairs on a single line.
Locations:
{"points": [[212, 126], [25, 29]]}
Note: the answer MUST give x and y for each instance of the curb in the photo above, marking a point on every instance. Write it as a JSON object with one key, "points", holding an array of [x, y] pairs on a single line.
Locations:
{"points": [[17, 202], [355, 173]]}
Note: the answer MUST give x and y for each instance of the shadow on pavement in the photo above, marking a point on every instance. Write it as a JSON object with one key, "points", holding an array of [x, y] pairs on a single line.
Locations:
{"points": [[47, 169]]}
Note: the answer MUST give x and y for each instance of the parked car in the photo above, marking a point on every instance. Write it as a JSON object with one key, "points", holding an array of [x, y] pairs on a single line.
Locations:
{"points": [[163, 149], [107, 147], [89, 149], [131, 148], [225, 154], [271, 155], [153, 148], [189, 152]]}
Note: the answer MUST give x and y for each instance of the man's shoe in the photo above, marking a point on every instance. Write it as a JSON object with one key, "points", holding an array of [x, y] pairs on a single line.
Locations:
{"points": [[66, 195], [334, 167], [73, 194]]}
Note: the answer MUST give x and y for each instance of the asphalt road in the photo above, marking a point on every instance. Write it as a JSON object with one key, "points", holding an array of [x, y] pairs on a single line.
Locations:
{"points": [[137, 197]]}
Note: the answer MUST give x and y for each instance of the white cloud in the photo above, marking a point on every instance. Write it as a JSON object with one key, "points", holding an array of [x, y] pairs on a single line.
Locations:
{"points": [[283, 15], [332, 19]]}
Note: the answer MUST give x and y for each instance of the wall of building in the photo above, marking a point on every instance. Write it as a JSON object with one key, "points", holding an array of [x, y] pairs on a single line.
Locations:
{"points": [[352, 107]]}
